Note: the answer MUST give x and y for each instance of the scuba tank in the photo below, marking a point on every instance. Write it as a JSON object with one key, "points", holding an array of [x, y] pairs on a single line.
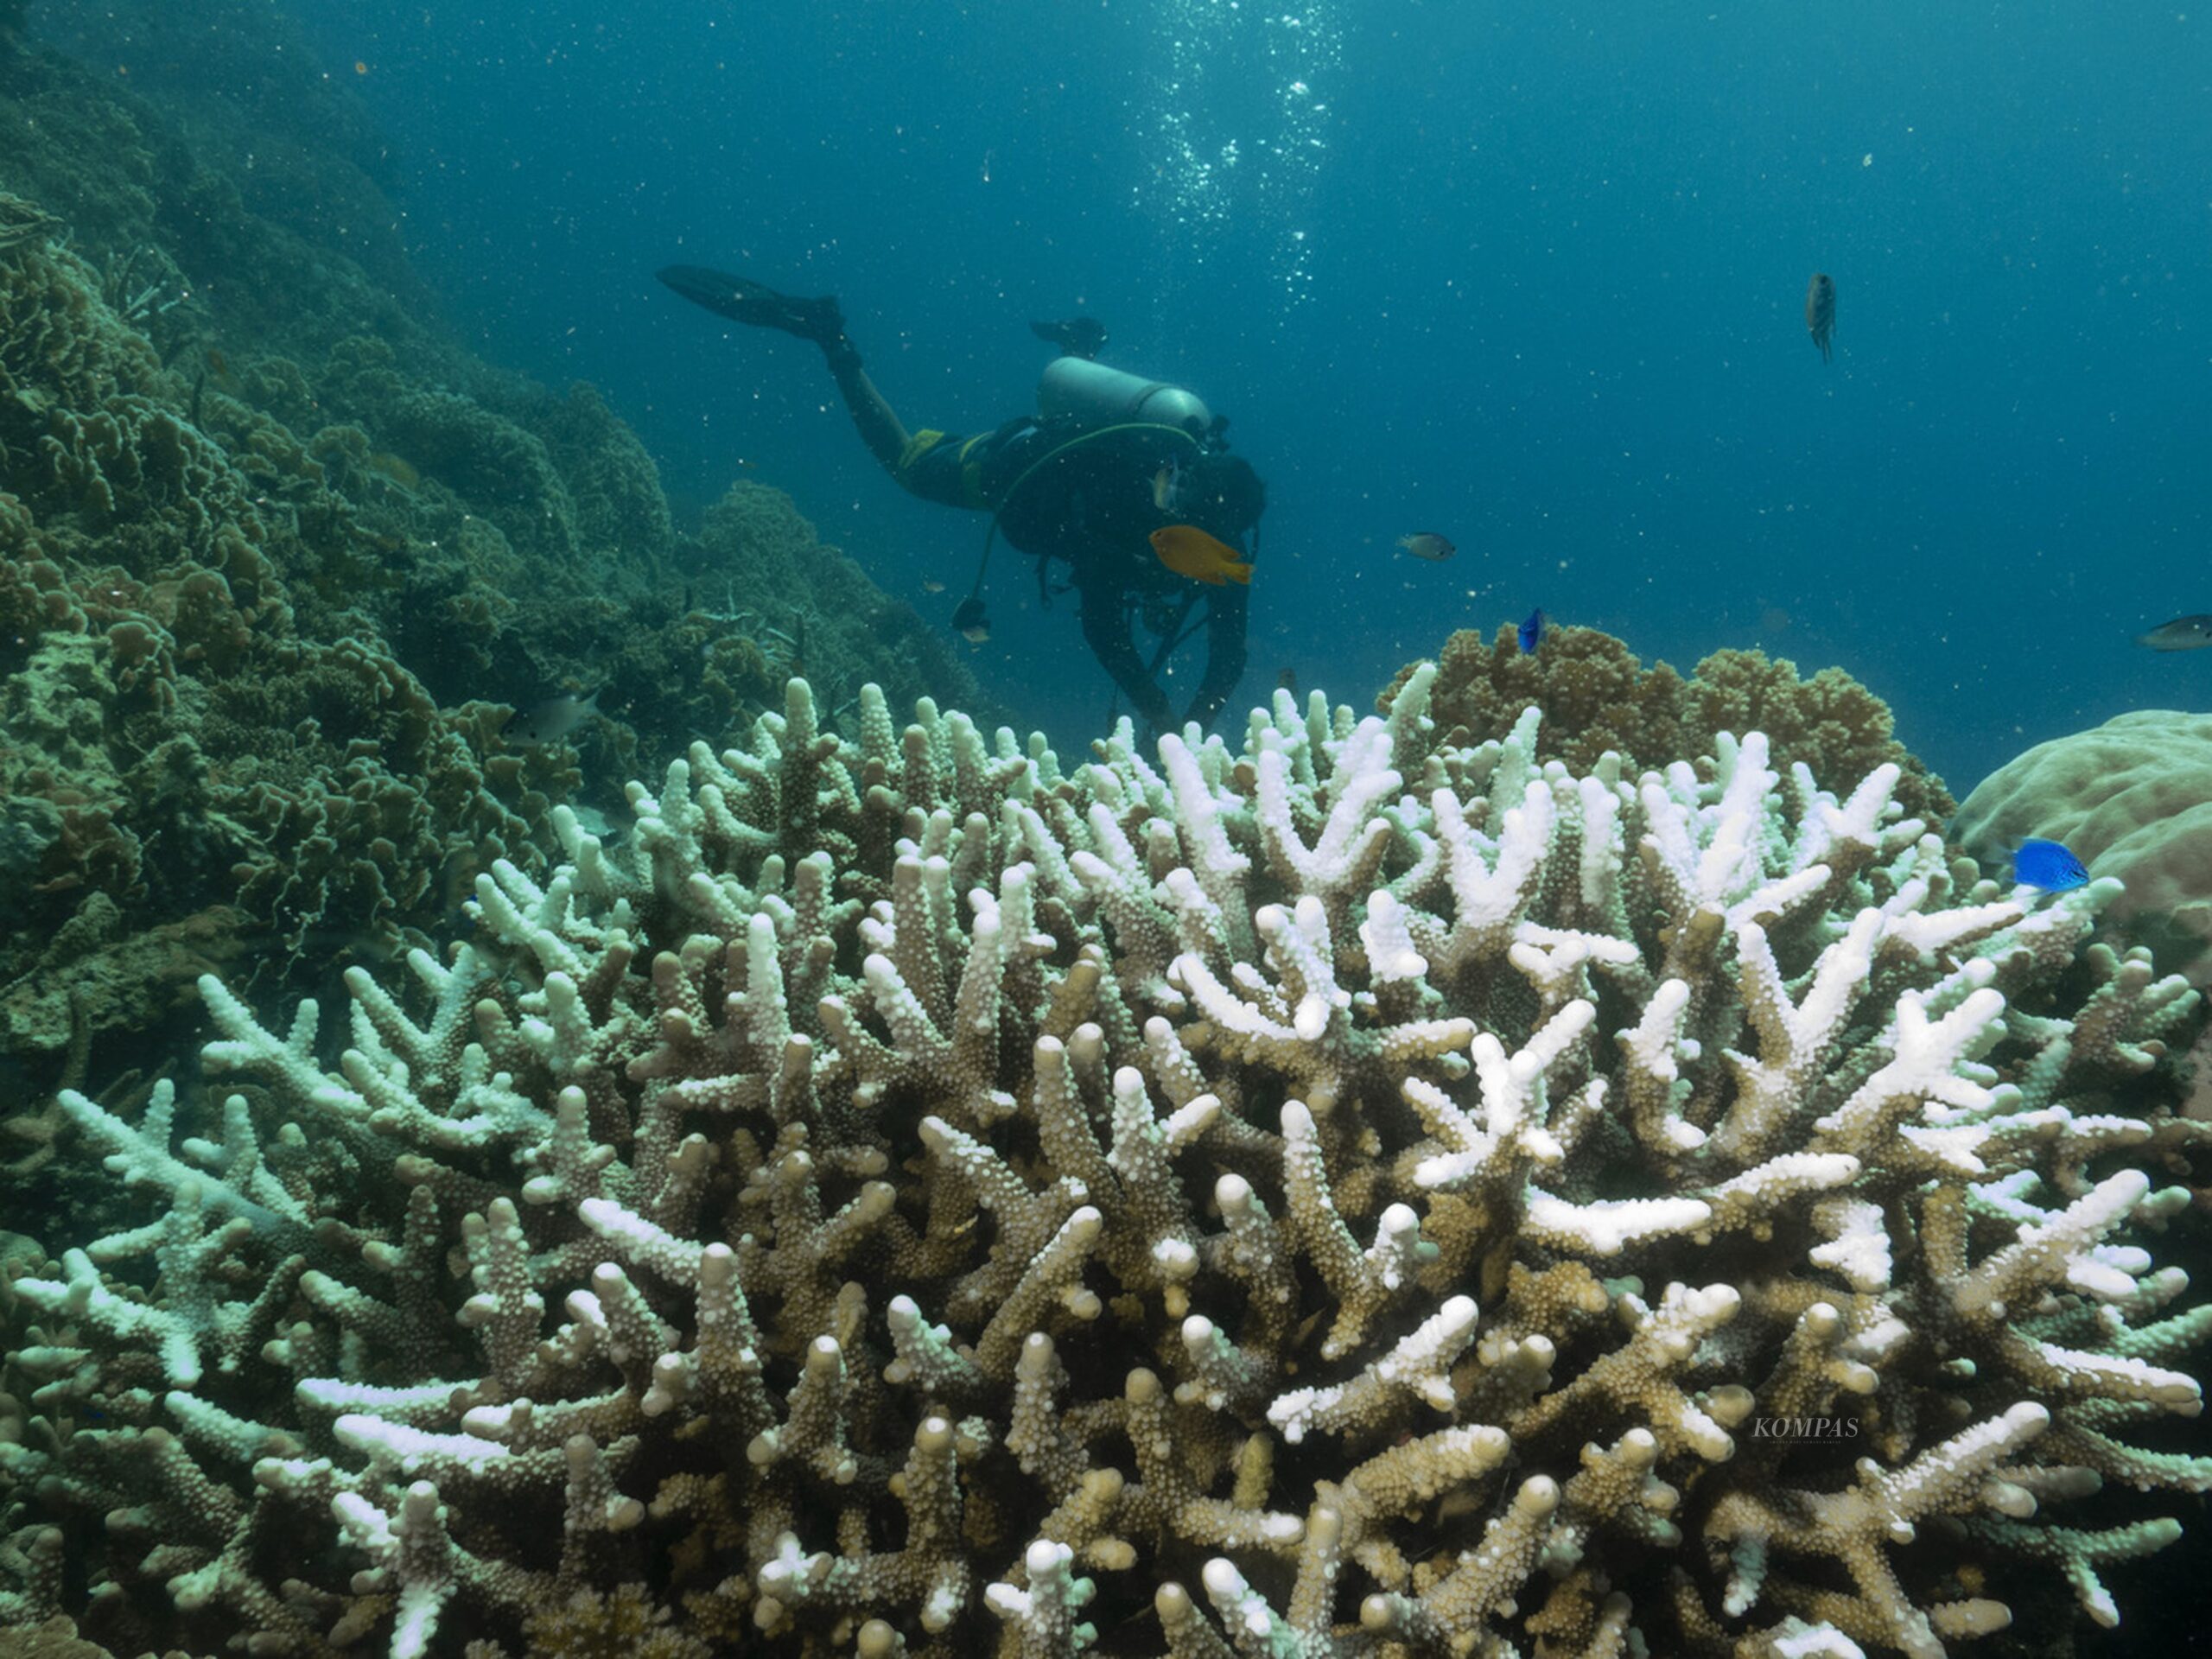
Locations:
{"points": [[1095, 395], [1102, 403]]}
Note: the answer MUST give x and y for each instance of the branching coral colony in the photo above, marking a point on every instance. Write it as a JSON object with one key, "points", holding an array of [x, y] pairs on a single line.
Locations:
{"points": [[1351, 1196]]}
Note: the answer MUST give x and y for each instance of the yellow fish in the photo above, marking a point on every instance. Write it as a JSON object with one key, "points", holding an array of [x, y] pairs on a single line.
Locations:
{"points": [[1189, 551], [393, 468]]}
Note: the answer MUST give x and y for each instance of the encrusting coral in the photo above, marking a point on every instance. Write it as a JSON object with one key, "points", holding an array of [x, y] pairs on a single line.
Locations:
{"points": [[1360, 1193], [188, 769]]}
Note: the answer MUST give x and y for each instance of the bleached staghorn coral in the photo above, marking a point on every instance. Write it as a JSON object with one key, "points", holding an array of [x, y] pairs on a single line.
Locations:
{"points": [[905, 1196]]}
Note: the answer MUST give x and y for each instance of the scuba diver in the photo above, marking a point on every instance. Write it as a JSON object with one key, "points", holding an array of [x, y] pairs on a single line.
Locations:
{"points": [[1126, 481]]}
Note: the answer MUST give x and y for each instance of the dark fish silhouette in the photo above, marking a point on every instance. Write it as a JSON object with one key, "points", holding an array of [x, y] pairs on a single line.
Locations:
{"points": [[1820, 311], [2182, 633], [1078, 336], [1531, 633]]}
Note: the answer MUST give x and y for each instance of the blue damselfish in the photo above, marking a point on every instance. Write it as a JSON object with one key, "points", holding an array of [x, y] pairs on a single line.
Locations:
{"points": [[2048, 865]]}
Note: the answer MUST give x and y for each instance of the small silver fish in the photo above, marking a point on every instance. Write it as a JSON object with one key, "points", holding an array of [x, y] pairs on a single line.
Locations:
{"points": [[1428, 544], [2182, 633], [1168, 487], [554, 719]]}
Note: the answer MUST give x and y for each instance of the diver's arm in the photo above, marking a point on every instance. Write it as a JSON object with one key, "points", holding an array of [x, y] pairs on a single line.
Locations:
{"points": [[1226, 609], [880, 428], [1106, 631]]}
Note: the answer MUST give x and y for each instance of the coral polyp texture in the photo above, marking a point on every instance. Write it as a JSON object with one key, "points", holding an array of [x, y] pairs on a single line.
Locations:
{"points": [[1351, 1193]]}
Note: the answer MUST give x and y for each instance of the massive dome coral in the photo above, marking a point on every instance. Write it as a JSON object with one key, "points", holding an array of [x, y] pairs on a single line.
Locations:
{"points": [[1351, 1194], [2130, 800]]}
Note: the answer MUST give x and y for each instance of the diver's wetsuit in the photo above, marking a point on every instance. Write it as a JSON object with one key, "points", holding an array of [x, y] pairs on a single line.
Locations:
{"points": [[1089, 504]]}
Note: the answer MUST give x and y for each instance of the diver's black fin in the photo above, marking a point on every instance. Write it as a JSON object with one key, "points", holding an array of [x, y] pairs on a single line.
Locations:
{"points": [[742, 300], [1083, 337]]}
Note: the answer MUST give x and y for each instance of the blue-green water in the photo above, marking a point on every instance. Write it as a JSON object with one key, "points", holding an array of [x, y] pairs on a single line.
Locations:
{"points": [[1530, 276], [1531, 280]]}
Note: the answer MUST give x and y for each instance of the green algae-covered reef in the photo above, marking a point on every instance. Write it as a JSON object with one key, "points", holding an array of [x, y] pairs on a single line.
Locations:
{"points": [[279, 562]]}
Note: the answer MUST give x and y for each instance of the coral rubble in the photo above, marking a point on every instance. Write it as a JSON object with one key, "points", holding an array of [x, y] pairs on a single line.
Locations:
{"points": [[1364, 1193]]}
